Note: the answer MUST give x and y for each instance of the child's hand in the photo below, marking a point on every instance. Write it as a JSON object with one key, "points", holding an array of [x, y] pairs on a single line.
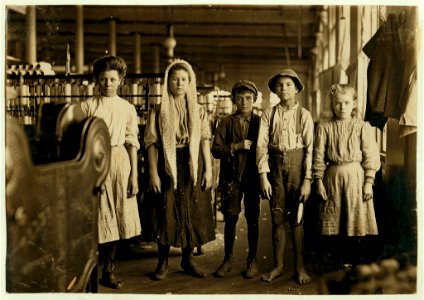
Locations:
{"points": [[132, 187], [207, 180], [244, 145], [154, 183], [266, 186], [305, 190], [321, 190], [368, 194]]}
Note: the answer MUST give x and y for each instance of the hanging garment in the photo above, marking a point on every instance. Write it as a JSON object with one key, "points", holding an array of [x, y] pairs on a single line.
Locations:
{"points": [[391, 73], [384, 51], [407, 32]]}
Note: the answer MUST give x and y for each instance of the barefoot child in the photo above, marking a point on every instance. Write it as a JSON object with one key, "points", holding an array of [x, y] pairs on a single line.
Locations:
{"points": [[346, 158], [285, 152]]}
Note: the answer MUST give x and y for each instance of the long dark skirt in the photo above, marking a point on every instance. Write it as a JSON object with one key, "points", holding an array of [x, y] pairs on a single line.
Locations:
{"points": [[184, 216]]}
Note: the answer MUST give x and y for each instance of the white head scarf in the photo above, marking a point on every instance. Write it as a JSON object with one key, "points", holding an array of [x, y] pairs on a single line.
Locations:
{"points": [[167, 116]]}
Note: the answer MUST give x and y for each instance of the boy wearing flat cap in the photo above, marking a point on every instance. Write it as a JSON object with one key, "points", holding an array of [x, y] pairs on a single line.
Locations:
{"points": [[235, 145], [284, 160]]}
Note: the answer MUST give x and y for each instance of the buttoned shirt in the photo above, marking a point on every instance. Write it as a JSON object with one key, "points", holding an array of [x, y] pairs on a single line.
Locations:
{"points": [[284, 136], [243, 122]]}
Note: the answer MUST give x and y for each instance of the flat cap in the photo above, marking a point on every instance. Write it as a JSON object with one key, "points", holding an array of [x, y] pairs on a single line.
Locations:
{"points": [[244, 84]]}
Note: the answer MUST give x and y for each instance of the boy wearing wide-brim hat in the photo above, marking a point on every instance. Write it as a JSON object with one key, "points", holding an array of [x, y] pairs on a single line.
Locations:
{"points": [[284, 150], [235, 146]]}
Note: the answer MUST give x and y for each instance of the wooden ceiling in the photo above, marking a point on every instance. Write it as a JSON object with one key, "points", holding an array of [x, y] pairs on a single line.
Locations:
{"points": [[212, 37]]}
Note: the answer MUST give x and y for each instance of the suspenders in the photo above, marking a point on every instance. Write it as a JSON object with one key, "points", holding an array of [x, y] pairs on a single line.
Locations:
{"points": [[298, 120]]}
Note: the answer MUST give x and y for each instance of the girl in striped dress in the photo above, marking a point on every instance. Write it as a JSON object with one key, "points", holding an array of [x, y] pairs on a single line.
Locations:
{"points": [[346, 159]]}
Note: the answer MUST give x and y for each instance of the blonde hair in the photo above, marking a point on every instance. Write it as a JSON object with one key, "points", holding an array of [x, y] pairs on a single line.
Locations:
{"points": [[342, 89]]}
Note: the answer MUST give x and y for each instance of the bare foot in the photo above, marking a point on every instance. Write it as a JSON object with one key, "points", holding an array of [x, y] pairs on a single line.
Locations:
{"points": [[274, 273], [302, 277]]}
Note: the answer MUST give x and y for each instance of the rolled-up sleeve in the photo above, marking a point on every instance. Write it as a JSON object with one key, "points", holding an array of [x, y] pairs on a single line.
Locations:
{"points": [[308, 137], [263, 141], [370, 152], [151, 131], [131, 130], [320, 145]]}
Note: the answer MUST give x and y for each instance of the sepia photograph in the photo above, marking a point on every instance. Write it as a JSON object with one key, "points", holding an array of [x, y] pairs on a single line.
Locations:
{"points": [[217, 149]]}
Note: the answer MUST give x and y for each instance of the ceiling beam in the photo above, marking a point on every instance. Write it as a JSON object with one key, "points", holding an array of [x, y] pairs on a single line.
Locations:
{"points": [[181, 15], [217, 42], [198, 30], [236, 53]]}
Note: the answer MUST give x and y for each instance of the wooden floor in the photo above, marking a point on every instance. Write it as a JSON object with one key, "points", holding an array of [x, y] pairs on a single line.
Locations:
{"points": [[136, 272]]}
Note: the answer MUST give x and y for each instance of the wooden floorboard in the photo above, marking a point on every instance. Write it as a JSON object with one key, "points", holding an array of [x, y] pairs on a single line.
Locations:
{"points": [[137, 271]]}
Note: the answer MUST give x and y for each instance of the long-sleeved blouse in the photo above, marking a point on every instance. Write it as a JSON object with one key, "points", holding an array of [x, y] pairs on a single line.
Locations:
{"points": [[345, 141]]}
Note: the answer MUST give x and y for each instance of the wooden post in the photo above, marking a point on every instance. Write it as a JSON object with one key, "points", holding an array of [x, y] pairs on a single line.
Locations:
{"points": [[137, 53], [156, 59], [112, 37], [31, 26], [79, 39]]}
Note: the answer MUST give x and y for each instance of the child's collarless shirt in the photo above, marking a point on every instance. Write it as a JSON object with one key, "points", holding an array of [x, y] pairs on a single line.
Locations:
{"points": [[284, 136]]}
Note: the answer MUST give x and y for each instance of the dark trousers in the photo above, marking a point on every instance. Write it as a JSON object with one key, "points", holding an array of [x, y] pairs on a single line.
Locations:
{"points": [[232, 197], [286, 175], [230, 234]]}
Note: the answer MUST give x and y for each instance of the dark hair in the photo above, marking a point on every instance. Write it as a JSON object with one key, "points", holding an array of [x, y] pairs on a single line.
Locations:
{"points": [[244, 85], [342, 89], [110, 62], [240, 89], [179, 66]]}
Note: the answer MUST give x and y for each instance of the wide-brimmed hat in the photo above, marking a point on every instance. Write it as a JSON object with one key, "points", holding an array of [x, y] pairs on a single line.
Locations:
{"points": [[286, 73], [244, 84]]}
